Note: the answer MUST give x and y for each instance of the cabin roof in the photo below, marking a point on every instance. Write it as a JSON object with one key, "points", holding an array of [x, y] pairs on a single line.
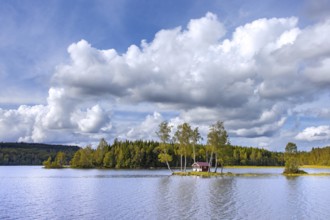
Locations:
{"points": [[201, 164]]}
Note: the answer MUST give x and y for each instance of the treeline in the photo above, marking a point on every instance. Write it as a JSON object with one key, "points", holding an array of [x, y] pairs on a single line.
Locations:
{"points": [[250, 156], [121, 154], [317, 156], [144, 154], [32, 153]]}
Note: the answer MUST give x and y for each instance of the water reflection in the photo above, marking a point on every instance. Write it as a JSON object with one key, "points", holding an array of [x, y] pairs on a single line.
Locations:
{"points": [[193, 196], [35, 193], [221, 199], [163, 197]]}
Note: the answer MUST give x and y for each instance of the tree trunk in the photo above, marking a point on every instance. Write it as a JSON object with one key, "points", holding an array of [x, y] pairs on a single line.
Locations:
{"points": [[168, 166], [185, 163], [216, 162], [181, 162], [194, 153], [210, 162]]}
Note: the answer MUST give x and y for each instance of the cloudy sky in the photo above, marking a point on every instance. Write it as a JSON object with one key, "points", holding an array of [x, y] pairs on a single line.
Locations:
{"points": [[72, 72]]}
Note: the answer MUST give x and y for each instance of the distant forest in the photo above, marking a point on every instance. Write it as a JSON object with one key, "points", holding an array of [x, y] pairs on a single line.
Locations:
{"points": [[31, 153], [144, 154]]}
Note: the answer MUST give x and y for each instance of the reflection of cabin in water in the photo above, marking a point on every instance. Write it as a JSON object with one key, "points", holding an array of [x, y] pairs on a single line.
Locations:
{"points": [[200, 166]]}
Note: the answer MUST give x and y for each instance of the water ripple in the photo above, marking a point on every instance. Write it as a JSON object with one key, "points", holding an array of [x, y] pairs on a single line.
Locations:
{"points": [[106, 194]]}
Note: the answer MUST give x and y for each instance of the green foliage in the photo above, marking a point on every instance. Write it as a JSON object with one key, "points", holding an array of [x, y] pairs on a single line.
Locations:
{"points": [[100, 153], [291, 164], [164, 135], [83, 158], [200, 174], [109, 160], [121, 154], [47, 163], [164, 157], [291, 159], [183, 136], [164, 132], [291, 148], [217, 138], [195, 138], [59, 161], [32, 153], [317, 156], [144, 154]]}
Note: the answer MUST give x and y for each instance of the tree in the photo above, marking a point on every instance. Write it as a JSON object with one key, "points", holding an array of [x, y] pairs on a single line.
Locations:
{"points": [[100, 153], [60, 159], [86, 157], [291, 160], [83, 158], [76, 159], [195, 137], [216, 139], [291, 148], [109, 159], [183, 136], [164, 135], [47, 163]]}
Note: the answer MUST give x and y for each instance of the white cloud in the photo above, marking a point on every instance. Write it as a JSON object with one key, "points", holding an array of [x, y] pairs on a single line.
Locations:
{"points": [[92, 120], [319, 72], [261, 130], [146, 130], [317, 9], [250, 80], [319, 133]]}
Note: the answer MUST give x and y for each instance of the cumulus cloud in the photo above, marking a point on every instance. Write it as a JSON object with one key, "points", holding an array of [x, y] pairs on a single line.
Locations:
{"points": [[319, 72], [146, 130], [317, 9], [319, 133], [92, 120], [249, 79]]}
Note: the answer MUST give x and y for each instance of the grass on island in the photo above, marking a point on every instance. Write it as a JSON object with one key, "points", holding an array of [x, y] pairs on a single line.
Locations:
{"points": [[202, 174], [306, 174], [212, 174], [253, 167], [315, 166], [230, 174]]}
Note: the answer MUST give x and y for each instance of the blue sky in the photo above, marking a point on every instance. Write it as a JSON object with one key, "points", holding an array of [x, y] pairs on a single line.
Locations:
{"points": [[69, 72]]}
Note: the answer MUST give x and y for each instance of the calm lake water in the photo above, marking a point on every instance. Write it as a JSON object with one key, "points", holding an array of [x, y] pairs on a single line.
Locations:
{"points": [[36, 193]]}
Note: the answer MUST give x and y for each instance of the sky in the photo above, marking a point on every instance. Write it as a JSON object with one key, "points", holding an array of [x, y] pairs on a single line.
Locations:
{"points": [[73, 72]]}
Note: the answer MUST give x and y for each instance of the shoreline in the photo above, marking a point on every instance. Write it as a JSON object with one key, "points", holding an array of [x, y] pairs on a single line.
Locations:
{"points": [[270, 167], [229, 174]]}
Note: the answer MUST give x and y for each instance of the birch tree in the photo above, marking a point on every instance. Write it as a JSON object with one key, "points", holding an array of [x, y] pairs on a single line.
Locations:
{"points": [[164, 135], [183, 136], [216, 139]]}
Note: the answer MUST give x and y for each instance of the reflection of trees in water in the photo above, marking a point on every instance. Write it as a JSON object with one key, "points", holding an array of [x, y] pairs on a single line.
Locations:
{"points": [[177, 198], [296, 203], [163, 197], [191, 197], [185, 198], [221, 198]]}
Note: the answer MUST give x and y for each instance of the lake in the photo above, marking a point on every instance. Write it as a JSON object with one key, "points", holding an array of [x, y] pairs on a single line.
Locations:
{"points": [[31, 192]]}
